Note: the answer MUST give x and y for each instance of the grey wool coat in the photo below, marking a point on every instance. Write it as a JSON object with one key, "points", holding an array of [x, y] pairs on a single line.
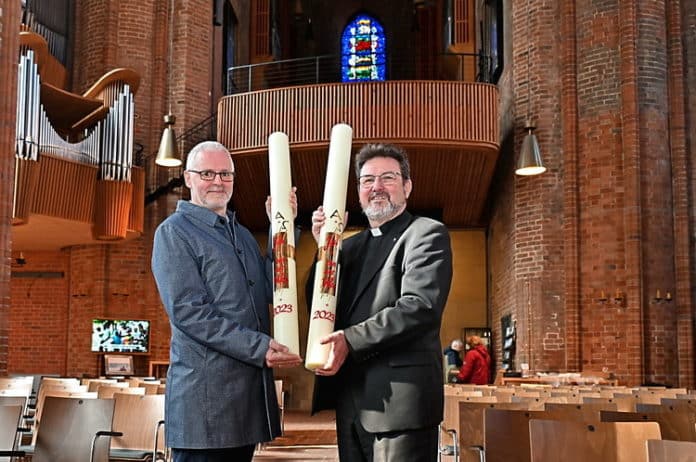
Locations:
{"points": [[215, 286]]}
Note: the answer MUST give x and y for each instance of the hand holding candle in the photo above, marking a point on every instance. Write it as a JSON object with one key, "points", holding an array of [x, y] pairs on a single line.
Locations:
{"points": [[285, 323], [323, 313]]}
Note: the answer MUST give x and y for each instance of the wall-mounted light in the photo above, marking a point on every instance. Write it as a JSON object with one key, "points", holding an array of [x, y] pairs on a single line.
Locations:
{"points": [[20, 260], [618, 299], [660, 299]]}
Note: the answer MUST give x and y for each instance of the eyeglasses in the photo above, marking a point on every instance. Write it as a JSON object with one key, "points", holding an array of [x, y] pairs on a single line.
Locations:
{"points": [[387, 179], [209, 175]]}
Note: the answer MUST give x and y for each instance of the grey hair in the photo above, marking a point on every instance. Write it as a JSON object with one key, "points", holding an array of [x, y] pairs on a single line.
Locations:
{"points": [[201, 147]]}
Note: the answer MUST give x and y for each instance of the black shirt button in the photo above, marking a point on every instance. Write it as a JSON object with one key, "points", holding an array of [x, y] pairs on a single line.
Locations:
{"points": [[251, 283]]}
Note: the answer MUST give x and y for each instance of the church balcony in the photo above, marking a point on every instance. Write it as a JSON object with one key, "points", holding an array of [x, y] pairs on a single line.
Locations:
{"points": [[450, 129]]}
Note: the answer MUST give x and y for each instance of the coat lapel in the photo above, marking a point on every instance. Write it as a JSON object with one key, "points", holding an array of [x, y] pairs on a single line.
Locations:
{"points": [[373, 262]]}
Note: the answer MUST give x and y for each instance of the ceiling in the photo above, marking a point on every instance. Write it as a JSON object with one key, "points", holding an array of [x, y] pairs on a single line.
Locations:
{"points": [[451, 184]]}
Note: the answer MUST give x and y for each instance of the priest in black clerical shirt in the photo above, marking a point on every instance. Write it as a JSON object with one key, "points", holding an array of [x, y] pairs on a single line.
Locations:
{"points": [[384, 373]]}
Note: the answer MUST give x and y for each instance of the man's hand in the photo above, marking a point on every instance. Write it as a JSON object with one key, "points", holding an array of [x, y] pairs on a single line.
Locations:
{"points": [[293, 204], [337, 355], [278, 355], [318, 220]]}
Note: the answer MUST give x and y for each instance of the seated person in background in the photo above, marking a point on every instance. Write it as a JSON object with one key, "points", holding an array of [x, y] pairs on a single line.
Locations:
{"points": [[452, 353], [477, 363]]}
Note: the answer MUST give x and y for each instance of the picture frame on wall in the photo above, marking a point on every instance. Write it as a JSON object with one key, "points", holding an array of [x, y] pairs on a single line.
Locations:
{"points": [[118, 365]]}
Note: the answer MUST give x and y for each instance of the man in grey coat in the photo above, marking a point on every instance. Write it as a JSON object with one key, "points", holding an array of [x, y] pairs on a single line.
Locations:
{"points": [[215, 286], [384, 373]]}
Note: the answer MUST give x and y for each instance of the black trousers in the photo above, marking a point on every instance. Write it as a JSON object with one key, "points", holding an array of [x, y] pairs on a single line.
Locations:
{"points": [[355, 444], [240, 454]]}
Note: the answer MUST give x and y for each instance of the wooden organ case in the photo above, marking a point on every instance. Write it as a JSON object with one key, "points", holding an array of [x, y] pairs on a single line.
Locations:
{"points": [[74, 153]]}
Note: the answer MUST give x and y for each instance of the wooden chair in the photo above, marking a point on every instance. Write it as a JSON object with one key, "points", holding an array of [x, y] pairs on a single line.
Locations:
{"points": [[679, 402], [586, 412], [94, 384], [109, 392], [51, 386], [10, 417], [57, 393], [23, 426], [622, 404], [506, 434], [139, 418], [74, 429], [677, 424], [506, 431], [532, 403], [671, 451], [16, 386], [572, 441], [151, 388], [471, 425]]}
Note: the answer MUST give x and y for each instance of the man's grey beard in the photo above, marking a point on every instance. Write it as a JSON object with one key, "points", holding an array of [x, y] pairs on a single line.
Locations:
{"points": [[377, 213]]}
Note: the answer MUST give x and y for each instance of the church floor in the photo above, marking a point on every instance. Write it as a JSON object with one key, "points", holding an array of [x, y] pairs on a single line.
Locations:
{"points": [[305, 437]]}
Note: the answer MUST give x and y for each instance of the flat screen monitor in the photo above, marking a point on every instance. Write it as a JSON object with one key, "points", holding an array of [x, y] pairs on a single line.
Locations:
{"points": [[120, 335]]}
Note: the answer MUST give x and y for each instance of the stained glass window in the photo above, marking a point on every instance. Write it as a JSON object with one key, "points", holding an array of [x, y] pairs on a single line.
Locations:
{"points": [[363, 50]]}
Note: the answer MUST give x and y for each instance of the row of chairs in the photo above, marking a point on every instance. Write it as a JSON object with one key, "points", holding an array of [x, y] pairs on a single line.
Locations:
{"points": [[67, 416], [534, 425], [124, 428]]}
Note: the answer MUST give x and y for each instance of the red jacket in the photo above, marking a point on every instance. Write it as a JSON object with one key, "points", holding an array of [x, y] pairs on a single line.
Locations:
{"points": [[477, 366]]}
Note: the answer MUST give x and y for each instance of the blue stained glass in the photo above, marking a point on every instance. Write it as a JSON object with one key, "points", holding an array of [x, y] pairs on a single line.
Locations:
{"points": [[363, 50]]}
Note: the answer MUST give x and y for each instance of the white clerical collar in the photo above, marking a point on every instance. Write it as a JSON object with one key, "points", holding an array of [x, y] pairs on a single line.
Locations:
{"points": [[376, 232]]}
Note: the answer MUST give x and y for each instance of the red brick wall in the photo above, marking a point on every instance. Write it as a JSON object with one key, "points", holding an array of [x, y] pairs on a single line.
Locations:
{"points": [[612, 212], [135, 34], [131, 34], [192, 63], [610, 87], [111, 281], [39, 315], [685, 187], [656, 191]]}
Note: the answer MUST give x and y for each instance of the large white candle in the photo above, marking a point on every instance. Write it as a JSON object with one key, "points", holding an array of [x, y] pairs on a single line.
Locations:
{"points": [[323, 314], [285, 325]]}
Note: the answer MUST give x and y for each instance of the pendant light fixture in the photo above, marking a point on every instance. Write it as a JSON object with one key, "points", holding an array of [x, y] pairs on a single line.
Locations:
{"points": [[168, 155], [529, 162]]}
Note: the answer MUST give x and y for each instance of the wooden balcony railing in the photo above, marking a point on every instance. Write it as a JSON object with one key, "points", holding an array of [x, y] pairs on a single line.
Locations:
{"points": [[449, 128], [411, 112]]}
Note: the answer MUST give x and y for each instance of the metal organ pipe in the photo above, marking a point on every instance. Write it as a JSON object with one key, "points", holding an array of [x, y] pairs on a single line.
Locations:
{"points": [[109, 143]]}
